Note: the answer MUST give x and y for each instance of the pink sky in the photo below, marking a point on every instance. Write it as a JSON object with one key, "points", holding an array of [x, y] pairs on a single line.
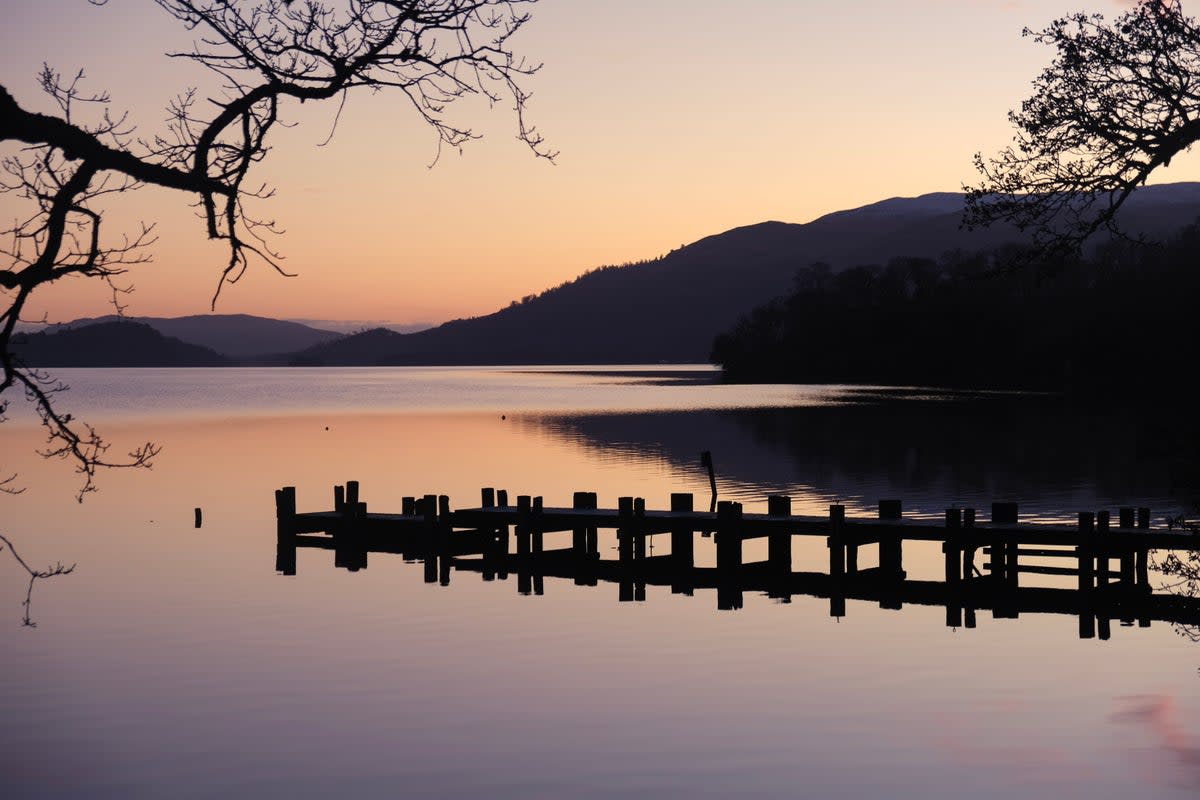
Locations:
{"points": [[675, 120]]}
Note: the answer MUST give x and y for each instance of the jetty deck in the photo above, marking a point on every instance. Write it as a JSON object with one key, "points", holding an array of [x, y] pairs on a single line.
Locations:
{"points": [[1108, 556]]}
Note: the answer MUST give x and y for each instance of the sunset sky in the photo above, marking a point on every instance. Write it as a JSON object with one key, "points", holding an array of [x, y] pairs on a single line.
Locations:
{"points": [[675, 119]]}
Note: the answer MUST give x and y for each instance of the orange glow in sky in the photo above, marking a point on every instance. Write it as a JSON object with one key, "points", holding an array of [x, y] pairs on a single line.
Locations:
{"points": [[675, 120]]}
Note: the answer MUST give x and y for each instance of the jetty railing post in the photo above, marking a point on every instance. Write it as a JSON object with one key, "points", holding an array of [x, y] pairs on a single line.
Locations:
{"points": [[1142, 564], [350, 538], [891, 555], [1125, 522], [426, 508], [837, 561], [969, 544], [285, 530], [579, 532], [682, 545], [487, 499], [339, 499], [779, 549], [1004, 561], [952, 557], [583, 556], [729, 555], [1103, 604], [1087, 577], [593, 534], [625, 548], [524, 544], [444, 529], [639, 548]]}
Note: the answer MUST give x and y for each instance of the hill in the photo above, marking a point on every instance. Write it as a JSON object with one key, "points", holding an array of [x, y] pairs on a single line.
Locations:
{"points": [[671, 308], [239, 336], [111, 344]]}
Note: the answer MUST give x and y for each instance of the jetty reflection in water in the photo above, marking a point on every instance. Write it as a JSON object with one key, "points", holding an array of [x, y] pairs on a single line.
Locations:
{"points": [[934, 450]]}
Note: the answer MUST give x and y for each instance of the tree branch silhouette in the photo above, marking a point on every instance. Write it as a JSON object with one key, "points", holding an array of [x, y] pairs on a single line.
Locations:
{"points": [[1119, 101], [265, 55], [34, 575]]}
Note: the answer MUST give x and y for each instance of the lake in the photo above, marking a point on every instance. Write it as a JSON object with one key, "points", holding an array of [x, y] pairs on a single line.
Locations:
{"points": [[175, 662]]}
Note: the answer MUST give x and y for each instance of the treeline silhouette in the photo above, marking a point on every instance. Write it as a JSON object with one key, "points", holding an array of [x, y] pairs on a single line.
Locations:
{"points": [[1118, 322]]}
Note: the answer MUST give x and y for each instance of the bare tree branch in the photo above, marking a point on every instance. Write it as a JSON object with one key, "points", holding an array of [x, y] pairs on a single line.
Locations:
{"points": [[265, 54], [1119, 101]]}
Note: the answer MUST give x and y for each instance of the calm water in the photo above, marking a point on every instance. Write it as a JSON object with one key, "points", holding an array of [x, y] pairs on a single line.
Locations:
{"points": [[175, 663]]}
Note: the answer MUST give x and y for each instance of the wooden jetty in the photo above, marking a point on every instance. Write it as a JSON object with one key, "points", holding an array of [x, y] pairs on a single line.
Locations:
{"points": [[983, 559]]}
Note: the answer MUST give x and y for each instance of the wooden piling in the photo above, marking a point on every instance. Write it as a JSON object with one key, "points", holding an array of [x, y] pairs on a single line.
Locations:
{"points": [[779, 549], [953, 568], [837, 561], [729, 555], [891, 552], [285, 530], [1087, 578], [682, 545]]}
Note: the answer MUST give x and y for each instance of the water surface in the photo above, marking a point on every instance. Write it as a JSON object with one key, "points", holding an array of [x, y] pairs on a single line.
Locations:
{"points": [[174, 662]]}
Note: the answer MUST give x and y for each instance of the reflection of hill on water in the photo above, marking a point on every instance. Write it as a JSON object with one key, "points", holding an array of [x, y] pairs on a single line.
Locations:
{"points": [[1037, 451]]}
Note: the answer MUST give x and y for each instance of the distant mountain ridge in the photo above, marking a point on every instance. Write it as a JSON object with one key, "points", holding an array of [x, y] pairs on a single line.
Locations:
{"points": [[121, 343], [238, 336], [670, 309]]}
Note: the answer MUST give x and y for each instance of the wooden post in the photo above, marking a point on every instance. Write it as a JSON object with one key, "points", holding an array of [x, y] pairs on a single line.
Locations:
{"points": [[285, 530], [579, 502], [487, 498], [729, 555], [891, 547], [426, 508], [1142, 564], [339, 499], [639, 536], [1004, 513], [351, 492], [536, 518], [625, 548], [1102, 572], [779, 550], [837, 561], [953, 563], [524, 544], [408, 506], [502, 498], [593, 535], [969, 544], [682, 545], [1126, 522], [1087, 577]]}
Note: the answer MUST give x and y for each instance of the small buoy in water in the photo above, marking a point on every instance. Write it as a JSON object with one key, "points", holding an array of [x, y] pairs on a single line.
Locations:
{"points": [[503, 417], [326, 427], [199, 516]]}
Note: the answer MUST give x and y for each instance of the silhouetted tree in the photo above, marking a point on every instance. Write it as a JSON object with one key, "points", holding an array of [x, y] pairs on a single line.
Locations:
{"points": [[266, 54], [1120, 100]]}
